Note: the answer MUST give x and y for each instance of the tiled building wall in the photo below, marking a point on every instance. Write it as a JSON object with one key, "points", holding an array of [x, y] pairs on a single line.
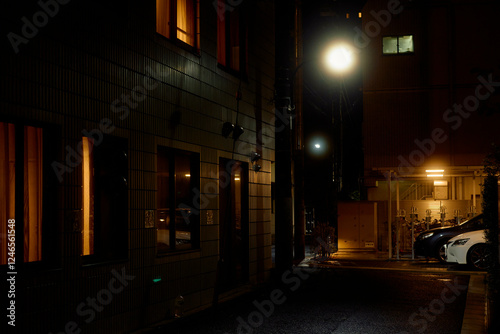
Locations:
{"points": [[79, 69]]}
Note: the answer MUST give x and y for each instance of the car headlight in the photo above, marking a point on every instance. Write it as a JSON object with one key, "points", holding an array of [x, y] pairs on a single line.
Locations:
{"points": [[427, 235], [460, 242]]}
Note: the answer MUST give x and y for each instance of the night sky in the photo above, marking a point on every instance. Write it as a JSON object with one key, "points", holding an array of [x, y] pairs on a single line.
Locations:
{"points": [[323, 23]]}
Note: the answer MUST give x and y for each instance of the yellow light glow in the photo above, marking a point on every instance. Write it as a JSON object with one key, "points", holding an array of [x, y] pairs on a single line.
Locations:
{"points": [[359, 15], [434, 175], [434, 170], [340, 58], [440, 183], [236, 178], [87, 170], [187, 175]]}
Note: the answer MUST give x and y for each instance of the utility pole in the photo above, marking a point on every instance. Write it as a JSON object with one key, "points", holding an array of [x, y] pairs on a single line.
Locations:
{"points": [[298, 150], [284, 20]]}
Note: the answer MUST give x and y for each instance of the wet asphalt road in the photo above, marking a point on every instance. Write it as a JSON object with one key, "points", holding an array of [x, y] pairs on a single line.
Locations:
{"points": [[340, 301]]}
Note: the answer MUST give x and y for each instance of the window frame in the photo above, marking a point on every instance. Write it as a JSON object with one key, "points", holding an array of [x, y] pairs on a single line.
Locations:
{"points": [[172, 28], [174, 206], [242, 72], [110, 154], [397, 53], [51, 234]]}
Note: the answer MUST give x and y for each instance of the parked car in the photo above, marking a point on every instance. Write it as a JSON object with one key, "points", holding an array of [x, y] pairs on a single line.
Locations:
{"points": [[431, 243], [469, 248]]}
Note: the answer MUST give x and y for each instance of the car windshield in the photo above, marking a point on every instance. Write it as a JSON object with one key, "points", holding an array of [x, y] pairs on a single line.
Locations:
{"points": [[478, 220]]}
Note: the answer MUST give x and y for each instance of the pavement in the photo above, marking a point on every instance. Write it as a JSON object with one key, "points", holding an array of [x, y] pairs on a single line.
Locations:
{"points": [[476, 308], [475, 313]]}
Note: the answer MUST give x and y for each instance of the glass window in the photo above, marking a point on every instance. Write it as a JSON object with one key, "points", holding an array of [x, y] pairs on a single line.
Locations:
{"points": [[7, 184], [33, 175], [30, 140], [88, 196], [390, 45], [397, 44], [104, 227], [177, 216], [178, 20], [405, 44], [231, 38]]}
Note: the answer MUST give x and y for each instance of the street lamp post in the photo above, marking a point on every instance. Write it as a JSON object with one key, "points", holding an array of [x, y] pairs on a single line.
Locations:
{"points": [[284, 40], [339, 59]]}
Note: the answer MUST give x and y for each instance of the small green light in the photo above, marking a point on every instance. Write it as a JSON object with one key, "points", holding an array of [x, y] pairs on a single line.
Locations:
{"points": [[156, 280]]}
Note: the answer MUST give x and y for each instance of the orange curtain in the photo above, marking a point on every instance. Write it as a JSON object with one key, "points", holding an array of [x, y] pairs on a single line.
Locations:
{"points": [[185, 21], [221, 34], [163, 17], [88, 196], [7, 183], [32, 194], [234, 21]]}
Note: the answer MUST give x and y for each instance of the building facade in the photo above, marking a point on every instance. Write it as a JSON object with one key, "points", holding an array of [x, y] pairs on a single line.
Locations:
{"points": [[136, 143], [431, 103]]}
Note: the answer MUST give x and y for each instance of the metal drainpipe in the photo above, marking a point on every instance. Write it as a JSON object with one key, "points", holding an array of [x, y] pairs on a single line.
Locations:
{"points": [[389, 214]]}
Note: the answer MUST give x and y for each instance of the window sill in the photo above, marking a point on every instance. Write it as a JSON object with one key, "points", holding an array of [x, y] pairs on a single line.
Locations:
{"points": [[398, 54], [178, 252], [87, 263], [180, 44], [237, 74]]}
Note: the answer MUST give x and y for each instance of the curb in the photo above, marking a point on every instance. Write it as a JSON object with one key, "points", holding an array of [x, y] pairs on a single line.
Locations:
{"points": [[475, 319]]}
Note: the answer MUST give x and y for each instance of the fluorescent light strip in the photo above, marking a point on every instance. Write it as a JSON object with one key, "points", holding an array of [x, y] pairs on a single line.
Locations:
{"points": [[434, 175], [434, 171]]}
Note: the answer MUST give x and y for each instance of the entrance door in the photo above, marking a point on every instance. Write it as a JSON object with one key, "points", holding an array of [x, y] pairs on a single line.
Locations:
{"points": [[233, 223]]}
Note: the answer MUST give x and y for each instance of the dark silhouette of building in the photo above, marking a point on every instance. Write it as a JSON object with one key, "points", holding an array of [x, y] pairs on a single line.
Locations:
{"points": [[128, 133], [431, 102]]}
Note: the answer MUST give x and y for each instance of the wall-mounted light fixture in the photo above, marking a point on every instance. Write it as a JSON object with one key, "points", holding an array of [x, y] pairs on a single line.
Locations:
{"points": [[434, 172], [227, 128], [237, 132], [254, 156]]}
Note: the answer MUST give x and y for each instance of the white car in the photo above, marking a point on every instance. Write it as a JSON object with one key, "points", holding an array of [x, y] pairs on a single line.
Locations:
{"points": [[469, 248]]}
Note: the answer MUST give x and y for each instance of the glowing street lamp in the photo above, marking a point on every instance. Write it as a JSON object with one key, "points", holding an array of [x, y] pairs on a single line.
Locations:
{"points": [[340, 58], [318, 145]]}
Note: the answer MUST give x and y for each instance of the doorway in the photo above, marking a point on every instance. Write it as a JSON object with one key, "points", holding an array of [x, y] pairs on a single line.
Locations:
{"points": [[233, 226]]}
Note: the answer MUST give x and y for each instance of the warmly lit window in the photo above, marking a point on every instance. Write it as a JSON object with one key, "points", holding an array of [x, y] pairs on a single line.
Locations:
{"points": [[87, 196], [178, 20], [31, 187], [104, 222], [177, 214], [232, 38], [397, 44]]}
